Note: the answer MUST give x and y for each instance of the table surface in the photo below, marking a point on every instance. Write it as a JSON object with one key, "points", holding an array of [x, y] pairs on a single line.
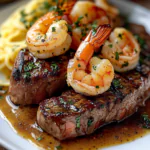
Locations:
{"points": [[145, 3]]}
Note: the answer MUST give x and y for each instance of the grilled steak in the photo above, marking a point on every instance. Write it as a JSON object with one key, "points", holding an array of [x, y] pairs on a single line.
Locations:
{"points": [[33, 80], [71, 114]]}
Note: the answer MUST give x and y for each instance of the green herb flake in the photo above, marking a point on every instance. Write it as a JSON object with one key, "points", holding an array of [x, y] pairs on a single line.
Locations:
{"points": [[79, 65], [1, 97], [1, 87], [125, 64], [116, 55], [141, 41], [90, 121], [69, 27], [29, 66], [62, 101], [45, 70], [27, 75], [97, 86], [39, 138], [78, 121], [135, 50], [145, 121], [117, 84], [120, 35], [54, 67], [110, 45], [53, 29], [59, 147], [77, 23], [94, 67]]}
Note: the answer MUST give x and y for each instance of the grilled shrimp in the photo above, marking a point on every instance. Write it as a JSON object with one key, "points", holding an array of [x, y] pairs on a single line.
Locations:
{"points": [[122, 50], [48, 38], [90, 75], [111, 10], [85, 15]]}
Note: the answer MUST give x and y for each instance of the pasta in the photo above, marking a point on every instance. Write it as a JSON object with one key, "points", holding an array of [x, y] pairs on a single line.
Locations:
{"points": [[13, 32]]}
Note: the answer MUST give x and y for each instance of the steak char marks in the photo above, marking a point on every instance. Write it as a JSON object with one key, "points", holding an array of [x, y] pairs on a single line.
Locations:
{"points": [[34, 80], [72, 114]]}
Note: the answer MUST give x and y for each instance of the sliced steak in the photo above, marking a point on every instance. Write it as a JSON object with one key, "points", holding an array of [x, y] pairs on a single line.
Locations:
{"points": [[71, 114], [33, 80]]}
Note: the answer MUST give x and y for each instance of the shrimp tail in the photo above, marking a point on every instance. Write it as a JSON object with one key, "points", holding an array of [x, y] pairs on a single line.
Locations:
{"points": [[98, 38]]}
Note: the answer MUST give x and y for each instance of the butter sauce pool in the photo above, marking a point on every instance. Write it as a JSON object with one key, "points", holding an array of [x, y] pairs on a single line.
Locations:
{"points": [[23, 120]]}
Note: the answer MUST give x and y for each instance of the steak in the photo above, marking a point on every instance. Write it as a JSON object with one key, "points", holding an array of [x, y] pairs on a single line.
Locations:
{"points": [[72, 114], [33, 80]]}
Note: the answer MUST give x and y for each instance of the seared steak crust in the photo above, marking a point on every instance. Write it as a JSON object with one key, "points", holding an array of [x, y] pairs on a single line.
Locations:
{"points": [[71, 114], [34, 80]]}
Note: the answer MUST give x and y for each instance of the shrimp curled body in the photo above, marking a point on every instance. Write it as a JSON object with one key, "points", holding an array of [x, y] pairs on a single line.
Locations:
{"points": [[122, 50], [90, 75], [48, 38]]}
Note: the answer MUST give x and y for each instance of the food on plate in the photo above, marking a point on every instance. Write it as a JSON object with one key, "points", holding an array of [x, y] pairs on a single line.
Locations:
{"points": [[44, 38], [33, 80], [72, 114], [79, 43], [83, 21], [112, 11], [90, 75], [122, 49]]}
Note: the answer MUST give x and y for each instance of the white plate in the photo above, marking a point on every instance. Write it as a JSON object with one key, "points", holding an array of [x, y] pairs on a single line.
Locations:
{"points": [[12, 141]]}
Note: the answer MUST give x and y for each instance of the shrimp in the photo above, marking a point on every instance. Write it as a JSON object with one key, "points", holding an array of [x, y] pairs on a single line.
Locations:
{"points": [[90, 75], [49, 36], [112, 11], [85, 15], [122, 50]]}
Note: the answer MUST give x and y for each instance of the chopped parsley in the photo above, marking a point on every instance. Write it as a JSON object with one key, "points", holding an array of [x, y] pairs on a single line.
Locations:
{"points": [[110, 45], [79, 65], [77, 23], [39, 138], [45, 70], [27, 75], [59, 147], [141, 41], [145, 121], [117, 84], [69, 27], [135, 50], [53, 29], [78, 121], [90, 121], [62, 101], [120, 36], [54, 67], [125, 64], [1, 87], [29, 66], [94, 67], [97, 86], [116, 55], [1, 97], [94, 27]]}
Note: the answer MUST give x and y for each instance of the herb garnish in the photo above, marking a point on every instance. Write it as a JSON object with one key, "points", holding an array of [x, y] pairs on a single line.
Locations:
{"points": [[59, 147], [94, 67], [117, 84], [79, 65], [78, 121], [120, 36], [39, 138], [141, 41], [53, 29], [116, 55], [27, 75], [125, 64], [54, 67], [94, 27], [97, 86], [29, 66], [145, 121], [1, 97], [90, 121], [77, 23], [110, 45]]}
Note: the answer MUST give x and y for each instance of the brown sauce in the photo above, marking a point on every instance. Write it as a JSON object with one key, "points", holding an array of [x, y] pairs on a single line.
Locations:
{"points": [[23, 121]]}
